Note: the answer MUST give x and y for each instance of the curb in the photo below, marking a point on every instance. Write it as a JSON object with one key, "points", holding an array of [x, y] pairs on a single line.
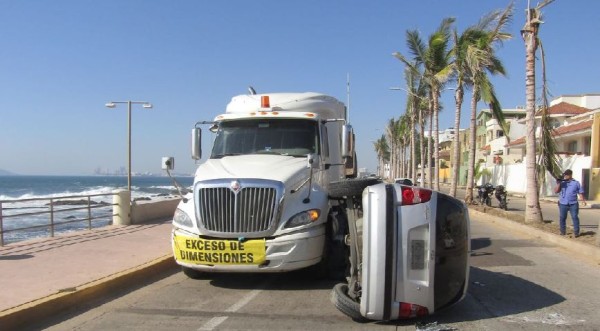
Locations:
{"points": [[591, 252], [43, 308]]}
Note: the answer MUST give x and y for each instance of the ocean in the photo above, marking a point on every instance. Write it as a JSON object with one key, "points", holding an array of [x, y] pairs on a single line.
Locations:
{"points": [[46, 187]]}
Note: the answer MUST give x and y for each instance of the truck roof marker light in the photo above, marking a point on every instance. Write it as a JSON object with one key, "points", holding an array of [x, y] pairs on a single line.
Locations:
{"points": [[265, 102], [310, 114], [414, 195], [252, 114], [275, 113], [409, 310]]}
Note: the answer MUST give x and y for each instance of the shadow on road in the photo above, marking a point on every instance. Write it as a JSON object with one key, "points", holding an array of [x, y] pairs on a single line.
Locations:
{"points": [[496, 294], [291, 281]]}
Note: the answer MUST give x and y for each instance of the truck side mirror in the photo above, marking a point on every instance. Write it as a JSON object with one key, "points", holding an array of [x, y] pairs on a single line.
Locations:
{"points": [[347, 140], [196, 143], [168, 163]]}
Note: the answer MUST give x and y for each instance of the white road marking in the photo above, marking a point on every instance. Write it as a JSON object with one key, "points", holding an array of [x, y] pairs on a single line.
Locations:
{"points": [[216, 321], [243, 301], [212, 323]]}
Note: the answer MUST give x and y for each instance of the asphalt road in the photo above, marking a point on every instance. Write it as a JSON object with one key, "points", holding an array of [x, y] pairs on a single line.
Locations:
{"points": [[516, 282]]}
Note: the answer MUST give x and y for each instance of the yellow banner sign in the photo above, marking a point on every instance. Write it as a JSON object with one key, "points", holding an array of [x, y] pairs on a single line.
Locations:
{"points": [[205, 251]]}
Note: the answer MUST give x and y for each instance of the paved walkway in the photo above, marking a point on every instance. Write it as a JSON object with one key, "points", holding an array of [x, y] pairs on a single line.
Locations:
{"points": [[40, 268]]}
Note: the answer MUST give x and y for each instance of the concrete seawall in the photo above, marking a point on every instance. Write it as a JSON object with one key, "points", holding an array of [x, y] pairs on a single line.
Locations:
{"points": [[147, 211]]}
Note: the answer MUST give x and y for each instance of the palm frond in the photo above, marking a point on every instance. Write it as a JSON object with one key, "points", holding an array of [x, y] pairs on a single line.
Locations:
{"points": [[488, 95], [415, 45], [549, 158], [502, 22]]}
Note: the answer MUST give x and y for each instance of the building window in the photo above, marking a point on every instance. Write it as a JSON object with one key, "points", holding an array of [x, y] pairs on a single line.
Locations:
{"points": [[572, 146], [587, 146], [499, 133]]}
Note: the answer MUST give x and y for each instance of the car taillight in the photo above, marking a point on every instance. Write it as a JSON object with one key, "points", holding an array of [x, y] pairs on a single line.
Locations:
{"points": [[409, 310], [413, 195]]}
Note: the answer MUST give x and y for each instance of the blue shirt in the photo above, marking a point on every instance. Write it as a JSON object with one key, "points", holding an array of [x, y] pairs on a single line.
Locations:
{"points": [[568, 192]]}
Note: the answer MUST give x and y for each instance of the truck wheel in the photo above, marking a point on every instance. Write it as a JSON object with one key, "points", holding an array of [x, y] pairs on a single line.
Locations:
{"points": [[345, 304], [350, 187], [338, 255], [192, 273], [335, 261]]}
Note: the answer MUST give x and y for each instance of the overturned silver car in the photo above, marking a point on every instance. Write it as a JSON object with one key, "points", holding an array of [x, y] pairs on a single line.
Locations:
{"points": [[409, 251]]}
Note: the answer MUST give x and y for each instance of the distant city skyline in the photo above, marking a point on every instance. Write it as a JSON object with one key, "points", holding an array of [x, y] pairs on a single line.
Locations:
{"points": [[62, 61]]}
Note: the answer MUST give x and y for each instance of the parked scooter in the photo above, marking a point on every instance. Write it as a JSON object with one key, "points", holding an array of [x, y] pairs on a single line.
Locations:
{"points": [[501, 196], [484, 194]]}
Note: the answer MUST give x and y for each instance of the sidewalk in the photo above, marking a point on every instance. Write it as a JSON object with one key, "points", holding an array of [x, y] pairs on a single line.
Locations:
{"points": [[49, 274]]}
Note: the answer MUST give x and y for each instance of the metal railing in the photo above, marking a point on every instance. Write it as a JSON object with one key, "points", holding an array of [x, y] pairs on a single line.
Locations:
{"points": [[86, 209]]}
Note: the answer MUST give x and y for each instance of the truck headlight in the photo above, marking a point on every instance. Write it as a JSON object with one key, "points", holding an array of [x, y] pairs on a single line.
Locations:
{"points": [[303, 218], [182, 218]]}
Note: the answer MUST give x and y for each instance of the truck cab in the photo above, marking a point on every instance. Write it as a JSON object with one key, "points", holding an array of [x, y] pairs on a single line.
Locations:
{"points": [[260, 202]]}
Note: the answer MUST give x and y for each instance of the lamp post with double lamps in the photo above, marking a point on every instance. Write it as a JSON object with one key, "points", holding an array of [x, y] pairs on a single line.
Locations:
{"points": [[144, 104]]}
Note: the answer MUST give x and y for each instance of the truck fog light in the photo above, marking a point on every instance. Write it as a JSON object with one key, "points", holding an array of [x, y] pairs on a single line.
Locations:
{"points": [[303, 218], [182, 218]]}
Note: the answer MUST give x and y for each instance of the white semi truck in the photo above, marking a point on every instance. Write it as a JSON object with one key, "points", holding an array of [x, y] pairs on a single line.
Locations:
{"points": [[261, 202]]}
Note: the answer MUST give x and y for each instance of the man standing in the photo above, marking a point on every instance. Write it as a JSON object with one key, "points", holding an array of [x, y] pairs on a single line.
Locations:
{"points": [[568, 189]]}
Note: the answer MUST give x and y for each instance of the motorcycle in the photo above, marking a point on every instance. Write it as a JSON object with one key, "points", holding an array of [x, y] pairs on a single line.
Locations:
{"points": [[501, 196], [484, 193]]}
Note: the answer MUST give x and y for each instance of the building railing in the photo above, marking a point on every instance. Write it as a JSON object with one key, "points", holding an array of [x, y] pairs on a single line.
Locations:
{"points": [[86, 210]]}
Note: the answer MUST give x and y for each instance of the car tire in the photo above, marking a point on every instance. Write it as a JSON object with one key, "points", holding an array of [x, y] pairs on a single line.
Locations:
{"points": [[345, 304], [350, 187]]}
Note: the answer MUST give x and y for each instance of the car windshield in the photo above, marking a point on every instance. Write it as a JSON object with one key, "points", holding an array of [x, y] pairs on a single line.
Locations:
{"points": [[266, 136]]}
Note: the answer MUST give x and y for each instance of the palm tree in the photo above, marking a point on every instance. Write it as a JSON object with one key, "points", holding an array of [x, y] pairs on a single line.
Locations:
{"points": [[481, 60], [416, 93], [533, 211], [439, 73], [434, 58], [391, 133], [403, 127], [382, 150]]}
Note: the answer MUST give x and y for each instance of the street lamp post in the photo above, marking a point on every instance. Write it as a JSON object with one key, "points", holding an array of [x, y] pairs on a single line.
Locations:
{"points": [[144, 104]]}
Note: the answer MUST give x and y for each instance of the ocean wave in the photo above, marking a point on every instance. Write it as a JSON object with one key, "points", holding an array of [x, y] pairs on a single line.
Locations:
{"points": [[102, 190], [89, 191]]}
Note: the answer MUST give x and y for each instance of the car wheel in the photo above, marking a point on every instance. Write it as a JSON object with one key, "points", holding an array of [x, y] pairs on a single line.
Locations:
{"points": [[350, 187], [345, 304]]}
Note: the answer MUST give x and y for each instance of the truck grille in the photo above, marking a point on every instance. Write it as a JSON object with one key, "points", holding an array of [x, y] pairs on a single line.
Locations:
{"points": [[250, 210]]}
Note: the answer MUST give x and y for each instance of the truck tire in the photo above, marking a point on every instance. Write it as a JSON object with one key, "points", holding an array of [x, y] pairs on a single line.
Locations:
{"points": [[335, 262], [350, 187], [338, 254], [193, 273], [345, 304]]}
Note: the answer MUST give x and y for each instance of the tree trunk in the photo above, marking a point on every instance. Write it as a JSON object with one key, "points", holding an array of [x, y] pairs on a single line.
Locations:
{"points": [[422, 142], [472, 147], [458, 96], [533, 211], [413, 151], [436, 139], [430, 146]]}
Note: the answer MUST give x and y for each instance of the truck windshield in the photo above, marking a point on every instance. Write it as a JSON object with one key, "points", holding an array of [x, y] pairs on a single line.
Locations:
{"points": [[291, 137]]}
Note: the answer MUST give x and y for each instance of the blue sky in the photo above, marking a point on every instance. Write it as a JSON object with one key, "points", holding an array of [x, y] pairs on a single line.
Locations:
{"points": [[61, 61]]}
